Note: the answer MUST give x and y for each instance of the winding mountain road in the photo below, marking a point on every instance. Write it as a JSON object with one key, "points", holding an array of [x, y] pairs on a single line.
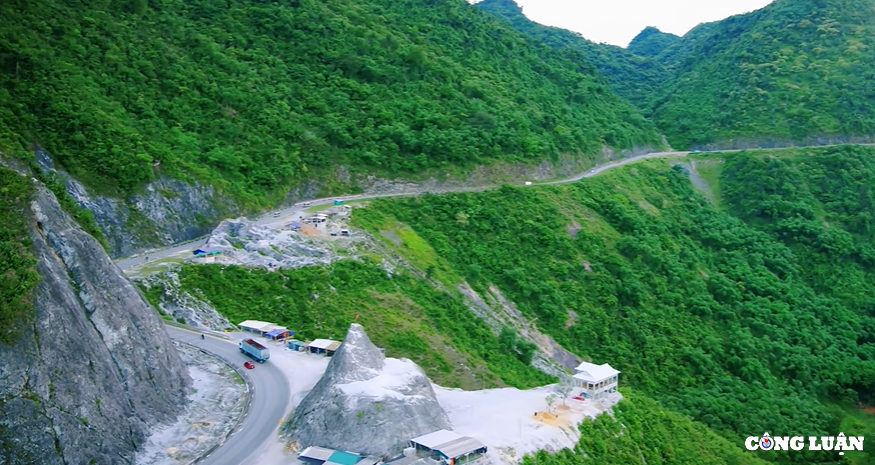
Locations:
{"points": [[270, 391], [270, 397], [284, 216]]}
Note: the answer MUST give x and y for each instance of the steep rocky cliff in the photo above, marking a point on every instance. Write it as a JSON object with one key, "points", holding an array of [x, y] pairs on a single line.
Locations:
{"points": [[367, 403], [84, 382], [166, 211]]}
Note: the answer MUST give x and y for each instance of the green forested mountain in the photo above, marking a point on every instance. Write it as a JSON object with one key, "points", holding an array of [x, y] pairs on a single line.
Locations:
{"points": [[635, 78], [758, 317], [651, 42], [793, 71], [796, 71], [752, 317], [256, 96]]}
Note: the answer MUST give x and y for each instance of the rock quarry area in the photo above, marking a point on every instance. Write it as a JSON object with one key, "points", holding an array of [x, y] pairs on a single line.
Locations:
{"points": [[244, 243], [95, 370], [367, 403], [216, 402]]}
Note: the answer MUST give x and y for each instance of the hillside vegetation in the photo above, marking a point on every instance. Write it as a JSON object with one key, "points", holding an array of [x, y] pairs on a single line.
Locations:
{"points": [[256, 97], [642, 432], [17, 264], [633, 77], [651, 42], [748, 319], [717, 316], [402, 314], [793, 71]]}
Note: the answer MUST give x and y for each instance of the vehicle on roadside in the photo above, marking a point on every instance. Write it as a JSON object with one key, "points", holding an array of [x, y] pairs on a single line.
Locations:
{"points": [[249, 365], [255, 350], [305, 204]]}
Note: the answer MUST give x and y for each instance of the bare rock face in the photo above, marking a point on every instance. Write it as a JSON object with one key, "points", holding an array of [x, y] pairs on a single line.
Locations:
{"points": [[84, 382], [367, 403], [245, 243], [166, 211]]}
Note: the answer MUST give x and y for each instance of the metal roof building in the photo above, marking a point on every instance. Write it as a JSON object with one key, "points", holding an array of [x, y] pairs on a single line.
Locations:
{"points": [[323, 345], [450, 447], [595, 373], [344, 458], [324, 456], [280, 333], [254, 325], [315, 454]]}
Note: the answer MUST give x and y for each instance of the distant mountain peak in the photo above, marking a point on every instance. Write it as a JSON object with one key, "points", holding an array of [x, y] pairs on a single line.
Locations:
{"points": [[650, 42]]}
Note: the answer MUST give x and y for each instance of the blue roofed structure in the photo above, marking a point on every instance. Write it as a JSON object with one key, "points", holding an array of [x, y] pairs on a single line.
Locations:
{"points": [[279, 333], [344, 458], [209, 251]]}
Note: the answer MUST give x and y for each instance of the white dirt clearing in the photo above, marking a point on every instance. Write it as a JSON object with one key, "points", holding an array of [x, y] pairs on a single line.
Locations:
{"points": [[217, 400]]}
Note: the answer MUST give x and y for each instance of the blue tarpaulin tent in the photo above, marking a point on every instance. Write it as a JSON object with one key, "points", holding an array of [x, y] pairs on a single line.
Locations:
{"points": [[279, 334]]}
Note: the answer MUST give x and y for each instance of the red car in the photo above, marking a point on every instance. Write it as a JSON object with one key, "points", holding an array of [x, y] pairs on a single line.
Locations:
{"points": [[249, 365]]}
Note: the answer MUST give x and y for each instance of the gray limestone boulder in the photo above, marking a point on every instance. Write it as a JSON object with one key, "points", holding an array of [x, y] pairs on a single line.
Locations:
{"points": [[95, 369], [366, 403]]}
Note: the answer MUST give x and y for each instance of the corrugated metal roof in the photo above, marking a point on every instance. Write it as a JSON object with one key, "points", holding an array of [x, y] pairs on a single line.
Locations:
{"points": [[254, 324], [278, 331], [432, 440], [271, 327], [459, 447], [324, 344], [595, 373], [317, 453], [344, 458]]}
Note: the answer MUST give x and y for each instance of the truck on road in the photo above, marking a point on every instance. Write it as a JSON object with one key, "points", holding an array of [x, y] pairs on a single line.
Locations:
{"points": [[258, 352]]}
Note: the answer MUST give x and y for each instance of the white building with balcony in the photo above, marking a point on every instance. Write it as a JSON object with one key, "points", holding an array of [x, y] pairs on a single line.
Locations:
{"points": [[597, 381]]}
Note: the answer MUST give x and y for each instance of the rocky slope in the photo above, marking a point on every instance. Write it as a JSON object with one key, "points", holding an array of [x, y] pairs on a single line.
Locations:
{"points": [[166, 211], [85, 382], [367, 403]]}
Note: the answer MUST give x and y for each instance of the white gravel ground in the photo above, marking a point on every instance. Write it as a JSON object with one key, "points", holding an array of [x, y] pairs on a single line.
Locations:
{"points": [[217, 400], [503, 419]]}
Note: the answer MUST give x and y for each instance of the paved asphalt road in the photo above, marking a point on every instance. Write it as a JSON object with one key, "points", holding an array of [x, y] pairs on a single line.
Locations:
{"points": [[270, 388], [290, 214], [270, 399]]}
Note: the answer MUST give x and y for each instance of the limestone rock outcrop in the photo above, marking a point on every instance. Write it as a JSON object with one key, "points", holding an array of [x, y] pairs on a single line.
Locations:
{"points": [[367, 403], [84, 382]]}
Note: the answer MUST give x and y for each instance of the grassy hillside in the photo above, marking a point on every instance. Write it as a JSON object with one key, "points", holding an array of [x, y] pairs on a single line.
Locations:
{"points": [[17, 264], [630, 76], [255, 97], [716, 317], [794, 70], [406, 316]]}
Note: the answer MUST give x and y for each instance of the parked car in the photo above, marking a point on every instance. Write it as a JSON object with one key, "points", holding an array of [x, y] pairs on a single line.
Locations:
{"points": [[276, 215], [249, 365]]}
